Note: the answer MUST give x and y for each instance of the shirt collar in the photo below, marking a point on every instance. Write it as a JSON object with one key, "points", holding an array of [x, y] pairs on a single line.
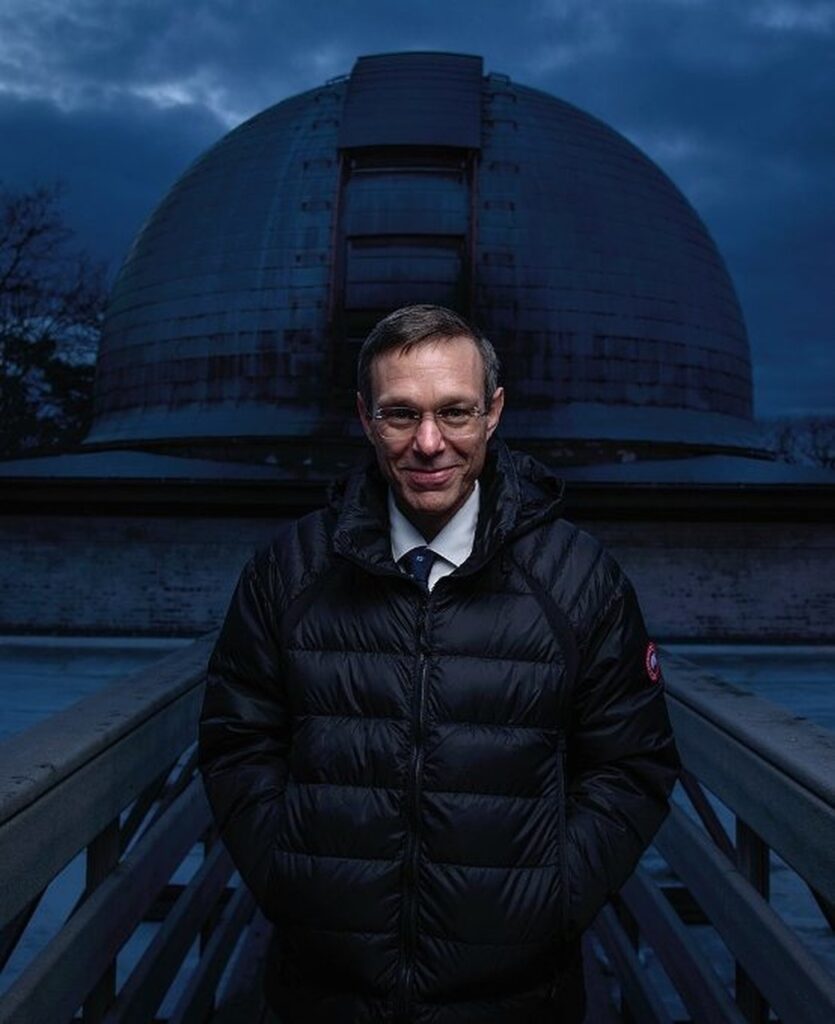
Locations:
{"points": [[453, 543]]}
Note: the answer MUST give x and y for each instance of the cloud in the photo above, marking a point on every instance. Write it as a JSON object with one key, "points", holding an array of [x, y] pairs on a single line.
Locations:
{"points": [[116, 163], [198, 90], [786, 16]]}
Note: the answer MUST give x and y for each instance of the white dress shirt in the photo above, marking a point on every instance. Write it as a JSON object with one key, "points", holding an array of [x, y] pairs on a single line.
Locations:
{"points": [[452, 545]]}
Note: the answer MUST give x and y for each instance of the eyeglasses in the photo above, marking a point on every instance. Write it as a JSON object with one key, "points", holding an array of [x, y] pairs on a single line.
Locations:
{"points": [[401, 421]]}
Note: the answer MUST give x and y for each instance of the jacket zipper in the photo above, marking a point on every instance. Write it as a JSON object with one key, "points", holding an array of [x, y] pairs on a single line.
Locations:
{"points": [[408, 920], [562, 836]]}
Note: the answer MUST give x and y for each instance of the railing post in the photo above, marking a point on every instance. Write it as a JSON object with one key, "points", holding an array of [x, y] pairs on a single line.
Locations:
{"points": [[632, 932], [752, 860], [102, 858], [209, 838], [11, 934]]}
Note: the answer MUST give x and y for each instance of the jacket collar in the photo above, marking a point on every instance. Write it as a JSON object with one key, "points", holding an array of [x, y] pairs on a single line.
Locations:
{"points": [[517, 494]]}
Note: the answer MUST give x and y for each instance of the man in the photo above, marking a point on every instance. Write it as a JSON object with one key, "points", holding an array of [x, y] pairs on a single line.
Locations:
{"points": [[433, 735]]}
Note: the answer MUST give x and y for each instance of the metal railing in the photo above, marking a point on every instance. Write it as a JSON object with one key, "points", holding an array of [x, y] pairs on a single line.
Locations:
{"points": [[775, 777], [112, 779]]}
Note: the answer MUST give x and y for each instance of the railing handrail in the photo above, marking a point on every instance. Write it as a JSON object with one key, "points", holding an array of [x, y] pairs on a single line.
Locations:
{"points": [[772, 751], [64, 779], [798, 747], [37, 759]]}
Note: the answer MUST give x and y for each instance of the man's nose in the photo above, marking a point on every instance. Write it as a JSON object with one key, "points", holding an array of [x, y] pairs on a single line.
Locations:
{"points": [[428, 438]]}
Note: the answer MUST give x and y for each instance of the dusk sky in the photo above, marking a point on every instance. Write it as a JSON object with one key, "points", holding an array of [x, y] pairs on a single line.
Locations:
{"points": [[735, 99]]}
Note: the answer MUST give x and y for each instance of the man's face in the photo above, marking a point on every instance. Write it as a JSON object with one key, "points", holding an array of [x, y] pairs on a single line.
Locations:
{"points": [[431, 473]]}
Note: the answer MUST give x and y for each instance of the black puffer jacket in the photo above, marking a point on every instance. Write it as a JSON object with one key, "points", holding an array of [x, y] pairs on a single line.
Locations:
{"points": [[433, 794]]}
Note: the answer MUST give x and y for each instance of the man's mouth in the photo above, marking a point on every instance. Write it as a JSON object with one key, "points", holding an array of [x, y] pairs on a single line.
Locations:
{"points": [[435, 477]]}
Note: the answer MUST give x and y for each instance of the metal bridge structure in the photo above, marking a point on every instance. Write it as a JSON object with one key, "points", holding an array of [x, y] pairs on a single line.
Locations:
{"points": [[111, 782]]}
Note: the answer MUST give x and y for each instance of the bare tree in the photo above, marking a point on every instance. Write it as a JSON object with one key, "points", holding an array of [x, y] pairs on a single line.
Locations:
{"points": [[52, 301], [823, 441], [806, 440]]}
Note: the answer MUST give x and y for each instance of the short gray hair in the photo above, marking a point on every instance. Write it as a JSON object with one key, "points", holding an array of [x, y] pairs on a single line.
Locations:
{"points": [[413, 325]]}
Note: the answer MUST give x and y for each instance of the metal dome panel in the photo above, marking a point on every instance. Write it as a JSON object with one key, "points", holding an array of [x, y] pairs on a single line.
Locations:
{"points": [[413, 99], [241, 305]]}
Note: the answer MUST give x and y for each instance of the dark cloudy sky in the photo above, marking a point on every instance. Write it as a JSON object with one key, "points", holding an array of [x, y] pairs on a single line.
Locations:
{"points": [[735, 99]]}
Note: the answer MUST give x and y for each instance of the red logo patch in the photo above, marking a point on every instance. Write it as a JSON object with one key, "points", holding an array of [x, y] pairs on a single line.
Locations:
{"points": [[651, 662]]}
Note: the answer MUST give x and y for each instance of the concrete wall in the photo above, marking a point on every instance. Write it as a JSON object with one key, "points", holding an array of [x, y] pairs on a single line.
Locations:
{"points": [[162, 576]]}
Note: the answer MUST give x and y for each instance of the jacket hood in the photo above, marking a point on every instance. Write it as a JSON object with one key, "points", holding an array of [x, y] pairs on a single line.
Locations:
{"points": [[518, 493]]}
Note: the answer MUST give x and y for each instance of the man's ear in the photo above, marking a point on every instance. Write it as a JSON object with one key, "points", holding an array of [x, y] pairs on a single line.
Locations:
{"points": [[365, 417], [494, 413]]}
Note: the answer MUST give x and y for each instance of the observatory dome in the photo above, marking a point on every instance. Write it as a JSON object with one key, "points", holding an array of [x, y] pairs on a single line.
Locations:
{"points": [[240, 307]]}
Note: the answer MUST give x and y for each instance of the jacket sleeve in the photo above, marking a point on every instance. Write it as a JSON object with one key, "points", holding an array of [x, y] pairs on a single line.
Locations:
{"points": [[244, 731], [622, 761]]}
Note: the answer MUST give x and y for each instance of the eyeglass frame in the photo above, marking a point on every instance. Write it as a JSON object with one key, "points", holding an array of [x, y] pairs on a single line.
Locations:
{"points": [[474, 412]]}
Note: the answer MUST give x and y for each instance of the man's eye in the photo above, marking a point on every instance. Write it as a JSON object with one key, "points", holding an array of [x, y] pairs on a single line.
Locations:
{"points": [[454, 414], [397, 415]]}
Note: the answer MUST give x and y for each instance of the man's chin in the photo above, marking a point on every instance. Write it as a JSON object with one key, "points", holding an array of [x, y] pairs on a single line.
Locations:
{"points": [[426, 501]]}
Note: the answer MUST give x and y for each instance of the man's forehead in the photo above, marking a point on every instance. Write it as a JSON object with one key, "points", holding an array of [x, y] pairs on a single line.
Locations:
{"points": [[414, 356]]}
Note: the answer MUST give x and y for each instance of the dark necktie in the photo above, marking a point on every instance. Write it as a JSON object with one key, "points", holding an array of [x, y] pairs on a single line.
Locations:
{"points": [[418, 564]]}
